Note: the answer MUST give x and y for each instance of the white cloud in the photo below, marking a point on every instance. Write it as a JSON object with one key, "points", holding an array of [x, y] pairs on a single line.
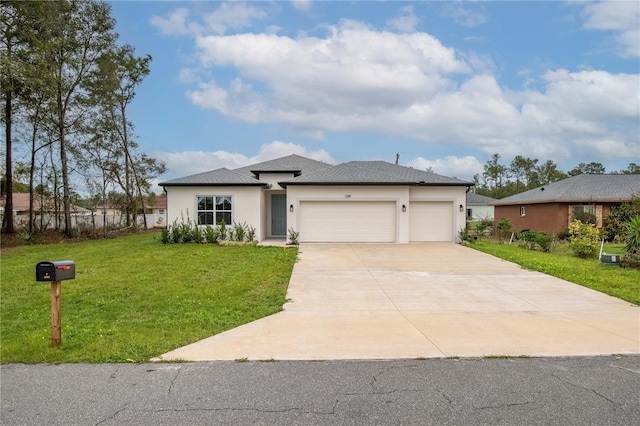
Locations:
{"points": [[192, 162], [356, 78], [464, 15], [302, 5], [235, 16], [461, 167], [175, 24], [620, 17], [406, 21]]}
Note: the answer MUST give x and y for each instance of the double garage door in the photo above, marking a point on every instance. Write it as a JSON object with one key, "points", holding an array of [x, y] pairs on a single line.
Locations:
{"points": [[347, 221], [372, 221]]}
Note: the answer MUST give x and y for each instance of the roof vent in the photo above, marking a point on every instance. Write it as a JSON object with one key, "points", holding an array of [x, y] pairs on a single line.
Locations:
{"points": [[542, 189]]}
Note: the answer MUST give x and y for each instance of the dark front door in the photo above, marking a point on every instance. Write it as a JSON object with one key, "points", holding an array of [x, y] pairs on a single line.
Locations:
{"points": [[278, 214]]}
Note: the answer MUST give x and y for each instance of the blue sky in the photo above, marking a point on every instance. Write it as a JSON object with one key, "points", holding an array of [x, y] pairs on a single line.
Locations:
{"points": [[444, 84]]}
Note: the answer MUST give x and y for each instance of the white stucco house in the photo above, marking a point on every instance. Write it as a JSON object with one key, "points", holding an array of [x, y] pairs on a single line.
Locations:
{"points": [[358, 201], [478, 207]]}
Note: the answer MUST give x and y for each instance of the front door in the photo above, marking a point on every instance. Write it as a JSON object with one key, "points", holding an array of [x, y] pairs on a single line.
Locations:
{"points": [[278, 214]]}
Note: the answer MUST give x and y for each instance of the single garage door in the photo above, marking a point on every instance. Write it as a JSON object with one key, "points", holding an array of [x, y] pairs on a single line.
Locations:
{"points": [[430, 221], [347, 222]]}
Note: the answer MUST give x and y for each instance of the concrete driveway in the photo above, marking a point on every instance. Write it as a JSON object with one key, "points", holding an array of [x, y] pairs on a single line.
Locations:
{"points": [[390, 301]]}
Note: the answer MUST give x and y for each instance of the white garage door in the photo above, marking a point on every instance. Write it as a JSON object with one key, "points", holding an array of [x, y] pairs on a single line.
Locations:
{"points": [[347, 221], [430, 221]]}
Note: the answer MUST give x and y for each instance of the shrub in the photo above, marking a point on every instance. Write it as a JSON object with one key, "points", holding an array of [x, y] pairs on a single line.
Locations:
{"points": [[615, 223], [533, 240], [632, 235], [544, 241], [222, 230], [239, 231], [211, 234], [632, 243], [584, 239], [164, 236], [293, 236], [504, 229], [251, 233]]}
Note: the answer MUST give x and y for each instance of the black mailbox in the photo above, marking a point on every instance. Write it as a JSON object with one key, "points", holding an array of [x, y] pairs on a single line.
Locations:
{"points": [[55, 271]]}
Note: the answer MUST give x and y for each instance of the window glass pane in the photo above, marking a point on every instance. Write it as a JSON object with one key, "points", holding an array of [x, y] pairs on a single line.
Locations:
{"points": [[223, 203], [205, 218], [226, 216]]}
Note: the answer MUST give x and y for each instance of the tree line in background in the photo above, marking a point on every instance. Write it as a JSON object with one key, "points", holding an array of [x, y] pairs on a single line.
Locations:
{"points": [[66, 89], [523, 173]]}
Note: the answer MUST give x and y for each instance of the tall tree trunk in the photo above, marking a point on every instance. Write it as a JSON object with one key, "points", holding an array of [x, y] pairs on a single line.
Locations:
{"points": [[7, 218]]}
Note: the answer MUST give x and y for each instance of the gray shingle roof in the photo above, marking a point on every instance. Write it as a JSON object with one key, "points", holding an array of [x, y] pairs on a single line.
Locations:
{"points": [[290, 163], [473, 198], [218, 177], [582, 188], [373, 173], [247, 175]]}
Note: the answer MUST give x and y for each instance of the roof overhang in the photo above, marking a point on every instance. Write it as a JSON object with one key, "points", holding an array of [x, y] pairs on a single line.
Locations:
{"points": [[257, 184], [285, 184]]}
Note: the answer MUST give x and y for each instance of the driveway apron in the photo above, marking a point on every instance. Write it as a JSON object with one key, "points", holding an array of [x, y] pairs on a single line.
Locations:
{"points": [[423, 300]]}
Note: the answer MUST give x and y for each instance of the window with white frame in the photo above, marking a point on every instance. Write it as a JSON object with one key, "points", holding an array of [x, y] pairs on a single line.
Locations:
{"points": [[214, 209], [522, 211]]}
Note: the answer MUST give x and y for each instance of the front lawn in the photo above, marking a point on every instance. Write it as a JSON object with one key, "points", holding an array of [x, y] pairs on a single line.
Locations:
{"points": [[134, 298], [623, 283]]}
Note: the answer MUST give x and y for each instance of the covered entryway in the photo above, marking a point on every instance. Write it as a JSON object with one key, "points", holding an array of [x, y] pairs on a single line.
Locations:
{"points": [[431, 221], [347, 221]]}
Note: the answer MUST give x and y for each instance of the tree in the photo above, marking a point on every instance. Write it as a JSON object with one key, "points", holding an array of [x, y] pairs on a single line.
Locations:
{"points": [[524, 170], [113, 85], [494, 175], [632, 169], [591, 168], [548, 173], [8, 83]]}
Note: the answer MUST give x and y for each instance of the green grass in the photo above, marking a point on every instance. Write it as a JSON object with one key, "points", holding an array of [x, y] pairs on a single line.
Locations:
{"points": [[134, 298], [623, 283]]}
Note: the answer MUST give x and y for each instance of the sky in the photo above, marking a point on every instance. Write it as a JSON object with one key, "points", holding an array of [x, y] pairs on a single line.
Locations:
{"points": [[443, 84]]}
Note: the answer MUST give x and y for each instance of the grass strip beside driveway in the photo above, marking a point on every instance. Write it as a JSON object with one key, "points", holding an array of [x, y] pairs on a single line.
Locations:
{"points": [[623, 283], [134, 298]]}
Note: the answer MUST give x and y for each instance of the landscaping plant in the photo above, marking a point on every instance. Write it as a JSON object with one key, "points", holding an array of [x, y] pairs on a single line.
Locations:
{"points": [[504, 229], [632, 243], [584, 239]]}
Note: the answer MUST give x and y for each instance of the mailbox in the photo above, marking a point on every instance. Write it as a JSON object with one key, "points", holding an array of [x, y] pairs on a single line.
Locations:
{"points": [[55, 271]]}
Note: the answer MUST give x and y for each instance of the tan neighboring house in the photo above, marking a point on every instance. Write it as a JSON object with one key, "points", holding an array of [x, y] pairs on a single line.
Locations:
{"points": [[358, 201], [40, 204], [550, 208]]}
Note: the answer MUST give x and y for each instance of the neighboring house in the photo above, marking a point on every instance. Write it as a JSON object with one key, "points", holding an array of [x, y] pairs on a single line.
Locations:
{"points": [[550, 208], [478, 207], [41, 204], [157, 207], [107, 209], [359, 201]]}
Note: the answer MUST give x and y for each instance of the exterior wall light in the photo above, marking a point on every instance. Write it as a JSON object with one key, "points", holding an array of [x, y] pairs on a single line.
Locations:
{"points": [[404, 208], [461, 208], [291, 208]]}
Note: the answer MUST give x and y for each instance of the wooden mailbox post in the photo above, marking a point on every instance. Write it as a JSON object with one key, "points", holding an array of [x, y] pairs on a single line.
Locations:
{"points": [[55, 272]]}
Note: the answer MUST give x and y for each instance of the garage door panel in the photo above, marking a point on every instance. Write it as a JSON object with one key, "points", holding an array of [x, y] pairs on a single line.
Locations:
{"points": [[430, 221], [347, 221]]}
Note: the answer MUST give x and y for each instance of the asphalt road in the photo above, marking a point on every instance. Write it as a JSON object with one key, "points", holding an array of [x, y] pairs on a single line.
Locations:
{"points": [[562, 391]]}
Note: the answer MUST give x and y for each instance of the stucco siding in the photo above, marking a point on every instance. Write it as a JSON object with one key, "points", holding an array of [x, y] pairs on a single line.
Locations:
{"points": [[247, 204]]}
